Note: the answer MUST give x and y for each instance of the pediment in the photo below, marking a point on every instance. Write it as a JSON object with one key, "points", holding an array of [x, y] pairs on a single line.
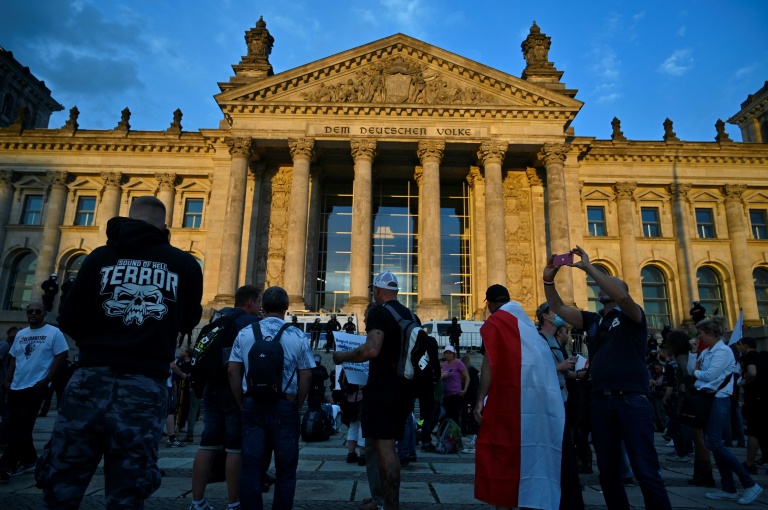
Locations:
{"points": [[706, 196], [597, 194], [398, 71], [651, 195], [758, 197], [31, 182], [83, 185]]}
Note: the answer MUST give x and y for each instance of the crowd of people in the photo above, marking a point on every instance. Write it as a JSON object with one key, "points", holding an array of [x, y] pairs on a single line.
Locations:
{"points": [[535, 412]]}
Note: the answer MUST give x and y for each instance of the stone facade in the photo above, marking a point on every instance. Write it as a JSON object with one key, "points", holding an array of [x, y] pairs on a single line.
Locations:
{"points": [[249, 199], [25, 101]]}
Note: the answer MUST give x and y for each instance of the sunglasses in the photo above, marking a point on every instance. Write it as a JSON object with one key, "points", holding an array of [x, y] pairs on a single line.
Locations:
{"points": [[34, 311]]}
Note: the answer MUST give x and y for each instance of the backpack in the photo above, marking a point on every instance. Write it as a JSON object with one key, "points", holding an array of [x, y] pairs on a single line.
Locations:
{"points": [[448, 437], [413, 348], [315, 425], [264, 380], [213, 347]]}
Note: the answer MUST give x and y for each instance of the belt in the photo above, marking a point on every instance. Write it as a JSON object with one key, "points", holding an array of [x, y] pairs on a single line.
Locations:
{"points": [[289, 396], [615, 393]]}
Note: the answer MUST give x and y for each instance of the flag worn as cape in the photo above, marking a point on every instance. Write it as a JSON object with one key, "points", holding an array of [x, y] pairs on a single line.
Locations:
{"points": [[517, 463]]}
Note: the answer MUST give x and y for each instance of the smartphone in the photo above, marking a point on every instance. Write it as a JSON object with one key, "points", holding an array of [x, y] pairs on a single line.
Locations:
{"points": [[562, 260]]}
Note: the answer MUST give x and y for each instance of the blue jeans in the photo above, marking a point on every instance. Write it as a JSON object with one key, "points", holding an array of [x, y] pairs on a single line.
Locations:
{"points": [[277, 424], [726, 463], [406, 447], [627, 418]]}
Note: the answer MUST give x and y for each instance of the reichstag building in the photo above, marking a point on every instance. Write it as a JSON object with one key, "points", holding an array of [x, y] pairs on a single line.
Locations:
{"points": [[397, 155]]}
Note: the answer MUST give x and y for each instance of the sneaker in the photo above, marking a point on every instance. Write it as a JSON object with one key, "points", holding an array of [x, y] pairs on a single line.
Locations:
{"points": [[205, 506], [352, 458], [732, 496], [750, 495], [671, 443], [175, 444], [676, 458], [23, 470], [361, 460], [752, 470]]}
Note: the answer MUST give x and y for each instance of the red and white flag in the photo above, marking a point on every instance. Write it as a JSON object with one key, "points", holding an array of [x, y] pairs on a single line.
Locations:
{"points": [[519, 446]]}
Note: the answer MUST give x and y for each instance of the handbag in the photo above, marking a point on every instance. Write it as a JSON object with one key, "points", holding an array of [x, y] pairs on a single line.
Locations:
{"points": [[697, 404]]}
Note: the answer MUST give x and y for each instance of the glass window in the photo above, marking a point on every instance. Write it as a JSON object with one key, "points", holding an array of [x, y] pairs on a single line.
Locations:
{"points": [[33, 210], [455, 229], [760, 274], [21, 282], [193, 213], [593, 291], [710, 291], [650, 217], [759, 224], [334, 252], [655, 298], [86, 208], [705, 223], [596, 221]]}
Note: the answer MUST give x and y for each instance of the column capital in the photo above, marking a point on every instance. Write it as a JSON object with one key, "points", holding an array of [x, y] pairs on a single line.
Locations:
{"points": [[554, 153], [363, 149], [474, 176], [166, 181], [733, 191], [111, 179], [418, 175], [239, 146], [301, 148], [6, 178], [492, 152], [534, 177], [58, 178], [679, 191], [625, 189], [431, 150]]}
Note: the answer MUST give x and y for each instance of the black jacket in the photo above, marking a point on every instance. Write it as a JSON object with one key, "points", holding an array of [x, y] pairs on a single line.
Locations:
{"points": [[131, 299]]}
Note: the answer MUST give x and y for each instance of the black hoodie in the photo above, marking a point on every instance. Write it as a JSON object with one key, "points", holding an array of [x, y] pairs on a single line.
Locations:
{"points": [[131, 299]]}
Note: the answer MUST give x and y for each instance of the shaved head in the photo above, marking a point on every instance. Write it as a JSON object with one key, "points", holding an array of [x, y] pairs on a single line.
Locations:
{"points": [[149, 209]]}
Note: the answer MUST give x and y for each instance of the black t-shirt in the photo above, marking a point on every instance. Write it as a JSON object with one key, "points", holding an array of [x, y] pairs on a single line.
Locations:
{"points": [[382, 370], [670, 377], [752, 389]]}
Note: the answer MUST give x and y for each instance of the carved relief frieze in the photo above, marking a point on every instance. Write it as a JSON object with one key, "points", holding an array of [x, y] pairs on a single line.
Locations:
{"points": [[279, 202], [519, 238], [398, 80]]}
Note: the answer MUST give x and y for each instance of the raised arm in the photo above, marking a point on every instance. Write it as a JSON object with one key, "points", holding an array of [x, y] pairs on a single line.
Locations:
{"points": [[569, 314]]}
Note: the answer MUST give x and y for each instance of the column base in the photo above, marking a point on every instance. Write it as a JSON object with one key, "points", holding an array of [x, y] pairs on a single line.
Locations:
{"points": [[432, 310], [220, 301], [356, 305], [296, 303]]}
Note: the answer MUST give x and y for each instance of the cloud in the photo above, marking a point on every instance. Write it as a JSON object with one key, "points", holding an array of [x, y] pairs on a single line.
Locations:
{"points": [[679, 63], [366, 16], [637, 17], [607, 71], [408, 14], [743, 71], [681, 31]]}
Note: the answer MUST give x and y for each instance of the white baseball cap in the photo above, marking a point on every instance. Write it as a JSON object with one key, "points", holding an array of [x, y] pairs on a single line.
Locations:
{"points": [[450, 348], [386, 280]]}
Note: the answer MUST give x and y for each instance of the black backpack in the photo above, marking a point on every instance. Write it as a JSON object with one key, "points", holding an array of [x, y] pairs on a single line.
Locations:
{"points": [[213, 347], [316, 425], [264, 380]]}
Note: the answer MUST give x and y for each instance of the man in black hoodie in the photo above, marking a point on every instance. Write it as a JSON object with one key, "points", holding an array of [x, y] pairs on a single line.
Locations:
{"points": [[130, 300]]}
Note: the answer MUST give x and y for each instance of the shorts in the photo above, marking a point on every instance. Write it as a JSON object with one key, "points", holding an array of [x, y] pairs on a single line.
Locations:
{"points": [[222, 422], [384, 414], [172, 401]]}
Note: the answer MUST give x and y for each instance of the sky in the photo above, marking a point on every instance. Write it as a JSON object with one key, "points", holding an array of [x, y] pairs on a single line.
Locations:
{"points": [[693, 61]]}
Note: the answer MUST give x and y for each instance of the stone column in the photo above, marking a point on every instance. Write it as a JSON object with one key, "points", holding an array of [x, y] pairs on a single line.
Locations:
{"points": [[737, 231], [418, 176], [682, 232], [554, 155], [302, 152], [6, 201], [539, 226], [54, 216], [363, 152], [629, 266], [240, 150], [431, 306], [166, 184], [109, 205], [491, 155], [478, 240]]}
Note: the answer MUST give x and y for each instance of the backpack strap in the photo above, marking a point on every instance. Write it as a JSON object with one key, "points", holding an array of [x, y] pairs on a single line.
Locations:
{"points": [[396, 315]]}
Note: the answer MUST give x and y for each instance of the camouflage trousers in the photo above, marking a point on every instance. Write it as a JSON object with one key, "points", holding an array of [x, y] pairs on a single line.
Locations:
{"points": [[114, 415]]}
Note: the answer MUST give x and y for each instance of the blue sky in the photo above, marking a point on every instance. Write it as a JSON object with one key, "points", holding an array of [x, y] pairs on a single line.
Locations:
{"points": [[693, 61]]}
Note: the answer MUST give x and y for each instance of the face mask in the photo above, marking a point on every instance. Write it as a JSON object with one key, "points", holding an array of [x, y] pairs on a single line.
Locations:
{"points": [[558, 321]]}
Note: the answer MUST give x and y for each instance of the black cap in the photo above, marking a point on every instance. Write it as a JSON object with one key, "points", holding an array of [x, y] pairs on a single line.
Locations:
{"points": [[496, 293]]}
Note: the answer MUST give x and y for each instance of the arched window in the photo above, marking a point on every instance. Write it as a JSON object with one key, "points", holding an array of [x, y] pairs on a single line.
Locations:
{"points": [[73, 265], [655, 297], [710, 291], [593, 289], [760, 274], [21, 282]]}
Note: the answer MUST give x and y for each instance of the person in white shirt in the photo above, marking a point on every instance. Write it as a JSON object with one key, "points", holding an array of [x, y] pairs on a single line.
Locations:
{"points": [[38, 351], [713, 368]]}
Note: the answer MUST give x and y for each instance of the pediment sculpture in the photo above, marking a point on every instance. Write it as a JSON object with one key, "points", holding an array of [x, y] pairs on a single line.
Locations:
{"points": [[398, 80]]}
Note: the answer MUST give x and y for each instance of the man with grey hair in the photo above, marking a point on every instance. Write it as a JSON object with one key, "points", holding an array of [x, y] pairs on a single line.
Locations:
{"points": [[270, 421], [130, 300]]}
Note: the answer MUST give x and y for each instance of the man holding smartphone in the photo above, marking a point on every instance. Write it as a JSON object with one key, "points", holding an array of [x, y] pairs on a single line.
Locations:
{"points": [[620, 409]]}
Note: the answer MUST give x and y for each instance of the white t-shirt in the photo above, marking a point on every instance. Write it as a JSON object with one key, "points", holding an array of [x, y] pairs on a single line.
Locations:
{"points": [[34, 350], [296, 352]]}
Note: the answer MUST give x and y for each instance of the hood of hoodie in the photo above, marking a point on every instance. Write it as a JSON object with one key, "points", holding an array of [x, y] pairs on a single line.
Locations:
{"points": [[128, 234]]}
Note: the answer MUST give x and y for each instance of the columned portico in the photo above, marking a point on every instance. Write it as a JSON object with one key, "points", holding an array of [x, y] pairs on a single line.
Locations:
{"points": [[629, 265], [491, 154], [46, 262], [302, 152], [363, 153], [737, 231], [431, 305], [240, 150]]}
